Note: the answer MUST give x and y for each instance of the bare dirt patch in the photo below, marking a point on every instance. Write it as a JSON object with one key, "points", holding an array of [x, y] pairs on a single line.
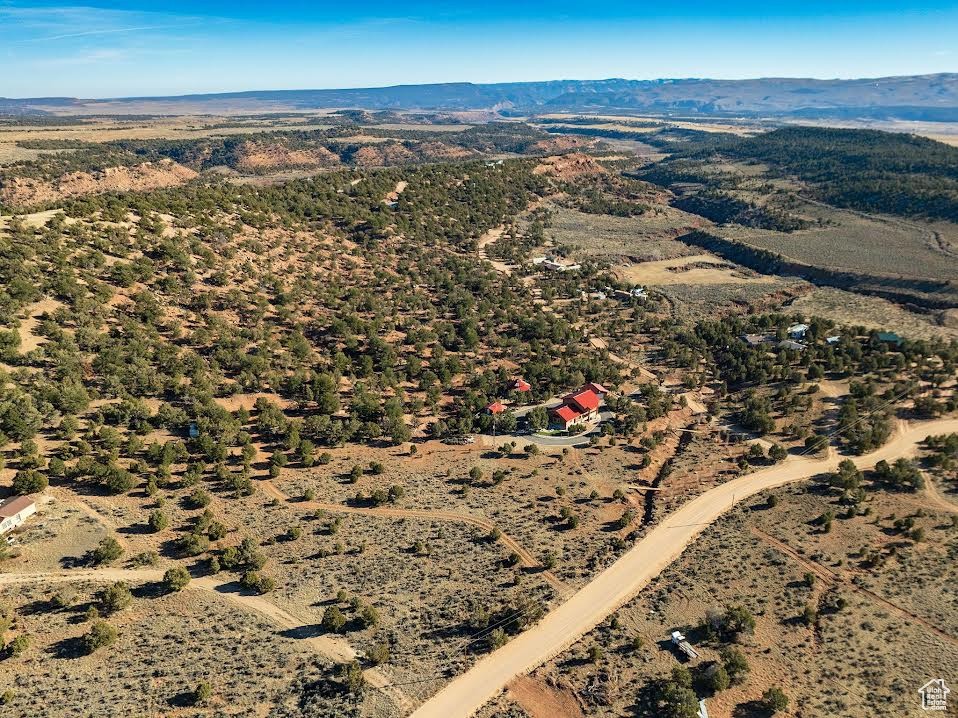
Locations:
{"points": [[540, 700], [263, 156], [697, 269], [149, 175], [569, 166]]}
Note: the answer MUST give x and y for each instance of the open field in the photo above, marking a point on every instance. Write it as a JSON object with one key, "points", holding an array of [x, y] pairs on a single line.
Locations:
{"points": [[643, 123], [873, 313], [644, 238], [698, 269], [854, 242]]}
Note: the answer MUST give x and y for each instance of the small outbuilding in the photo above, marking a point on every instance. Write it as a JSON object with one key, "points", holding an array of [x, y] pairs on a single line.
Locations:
{"points": [[14, 511]]}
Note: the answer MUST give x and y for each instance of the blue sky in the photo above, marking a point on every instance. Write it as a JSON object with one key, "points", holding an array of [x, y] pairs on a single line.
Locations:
{"points": [[110, 49]]}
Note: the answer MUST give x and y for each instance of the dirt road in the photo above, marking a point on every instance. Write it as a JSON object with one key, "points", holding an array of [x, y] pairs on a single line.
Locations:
{"points": [[332, 647], [488, 238], [936, 498], [621, 581]]}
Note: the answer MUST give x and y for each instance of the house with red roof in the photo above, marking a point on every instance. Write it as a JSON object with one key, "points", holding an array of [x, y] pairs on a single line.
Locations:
{"points": [[496, 407], [579, 407], [520, 385], [564, 416], [597, 388]]}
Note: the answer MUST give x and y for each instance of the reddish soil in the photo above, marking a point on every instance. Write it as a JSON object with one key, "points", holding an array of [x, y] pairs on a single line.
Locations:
{"points": [[262, 156], [574, 164], [563, 144], [540, 700], [22, 191]]}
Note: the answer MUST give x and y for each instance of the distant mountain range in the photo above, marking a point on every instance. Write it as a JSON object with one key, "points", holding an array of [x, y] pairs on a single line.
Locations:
{"points": [[917, 97]]}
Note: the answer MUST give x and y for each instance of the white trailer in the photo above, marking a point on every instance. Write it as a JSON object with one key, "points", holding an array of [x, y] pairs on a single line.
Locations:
{"points": [[14, 511], [683, 645]]}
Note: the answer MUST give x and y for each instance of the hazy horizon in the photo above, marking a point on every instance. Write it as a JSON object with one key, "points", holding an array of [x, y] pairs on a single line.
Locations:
{"points": [[468, 82], [135, 49]]}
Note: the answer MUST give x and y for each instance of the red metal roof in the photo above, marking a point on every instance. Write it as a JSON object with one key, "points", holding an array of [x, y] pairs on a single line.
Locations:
{"points": [[496, 407], [597, 388], [584, 400], [566, 413], [521, 384]]}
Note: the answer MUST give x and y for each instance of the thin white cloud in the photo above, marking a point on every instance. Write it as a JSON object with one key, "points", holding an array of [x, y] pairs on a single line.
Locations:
{"points": [[111, 31], [51, 24]]}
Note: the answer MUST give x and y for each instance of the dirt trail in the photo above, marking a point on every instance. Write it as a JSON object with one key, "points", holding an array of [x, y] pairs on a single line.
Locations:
{"points": [[526, 558], [398, 190], [621, 581], [599, 343], [484, 241], [936, 498], [832, 577], [332, 647], [93, 574]]}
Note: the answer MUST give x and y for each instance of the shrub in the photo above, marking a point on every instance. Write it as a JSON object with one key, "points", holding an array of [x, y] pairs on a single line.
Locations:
{"points": [[333, 620], [202, 694], [378, 654], [774, 700], [158, 520], [18, 645], [200, 499], [116, 598], [368, 616], [176, 578], [736, 666], [100, 635], [353, 678], [107, 550], [29, 481], [64, 597], [193, 544], [714, 678], [496, 639]]}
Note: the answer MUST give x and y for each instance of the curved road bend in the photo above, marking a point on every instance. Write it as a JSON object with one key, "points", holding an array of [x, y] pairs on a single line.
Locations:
{"points": [[621, 581]]}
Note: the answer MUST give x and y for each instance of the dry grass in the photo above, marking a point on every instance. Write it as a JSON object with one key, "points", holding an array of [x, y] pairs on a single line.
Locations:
{"points": [[700, 269], [864, 660], [854, 242], [647, 237], [871, 312], [167, 645]]}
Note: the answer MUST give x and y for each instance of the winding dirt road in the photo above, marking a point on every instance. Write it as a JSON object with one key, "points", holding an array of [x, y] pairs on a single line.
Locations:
{"points": [[621, 581], [333, 647]]}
